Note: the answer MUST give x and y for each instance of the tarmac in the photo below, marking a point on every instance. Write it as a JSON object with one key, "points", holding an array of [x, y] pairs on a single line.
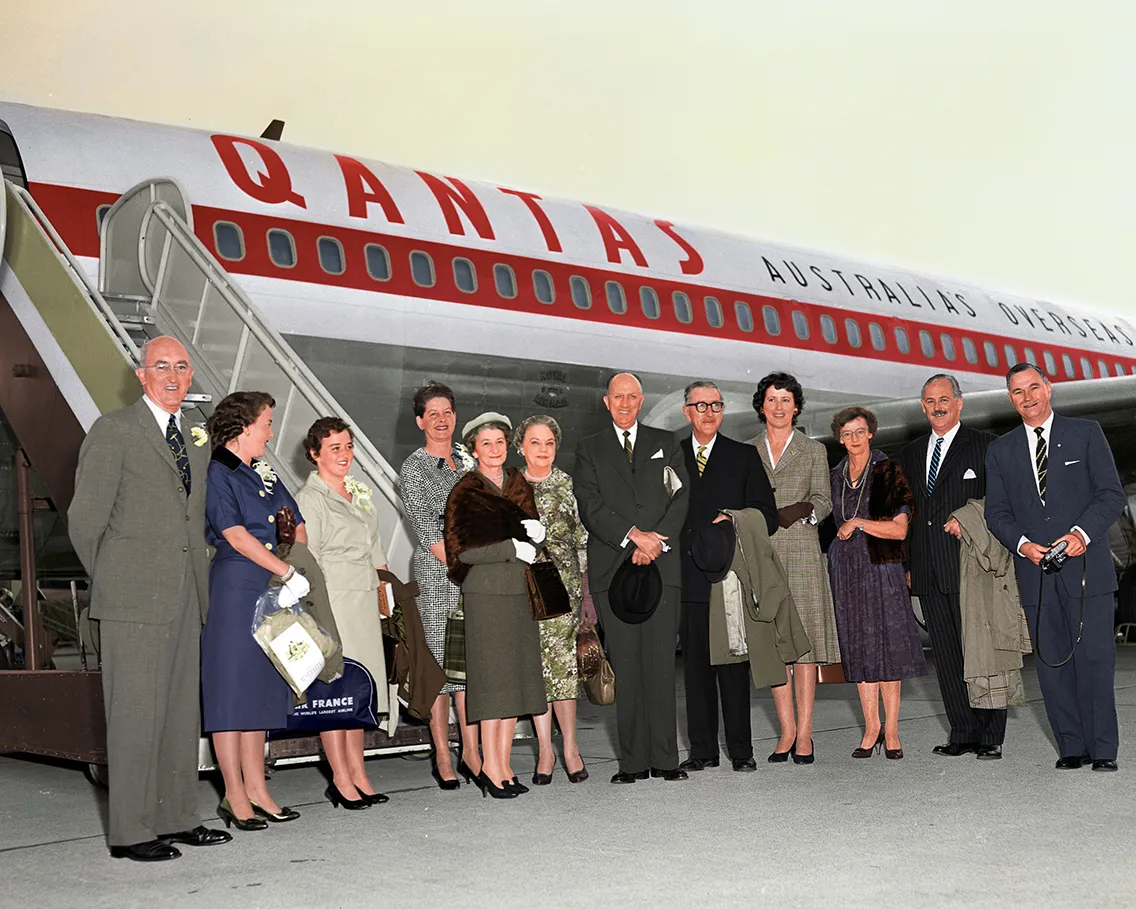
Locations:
{"points": [[924, 831]]}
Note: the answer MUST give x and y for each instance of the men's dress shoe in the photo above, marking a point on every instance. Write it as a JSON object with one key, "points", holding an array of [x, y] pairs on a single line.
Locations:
{"points": [[954, 749], [198, 836], [988, 752], [623, 777], [693, 765], [1106, 765], [671, 776], [1072, 763], [150, 851], [744, 765]]}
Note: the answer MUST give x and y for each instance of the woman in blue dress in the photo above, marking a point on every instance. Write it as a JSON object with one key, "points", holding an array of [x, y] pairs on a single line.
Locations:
{"points": [[243, 695]]}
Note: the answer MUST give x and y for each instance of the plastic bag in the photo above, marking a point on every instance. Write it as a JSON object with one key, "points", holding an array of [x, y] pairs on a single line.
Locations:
{"points": [[296, 643]]}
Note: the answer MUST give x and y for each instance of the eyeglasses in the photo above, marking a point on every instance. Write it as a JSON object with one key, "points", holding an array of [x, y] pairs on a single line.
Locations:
{"points": [[164, 369], [848, 434], [702, 406]]}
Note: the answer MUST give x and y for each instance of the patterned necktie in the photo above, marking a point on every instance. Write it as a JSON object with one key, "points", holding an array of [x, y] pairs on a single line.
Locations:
{"points": [[176, 442], [933, 471], [1041, 459], [700, 459], [627, 448]]}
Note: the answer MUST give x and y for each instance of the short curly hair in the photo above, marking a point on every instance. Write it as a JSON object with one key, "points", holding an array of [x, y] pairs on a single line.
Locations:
{"points": [[782, 380], [848, 414], [528, 423], [470, 439], [236, 411], [320, 430], [427, 393]]}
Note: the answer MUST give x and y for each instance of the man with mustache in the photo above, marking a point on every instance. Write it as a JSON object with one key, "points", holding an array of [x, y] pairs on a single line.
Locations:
{"points": [[1053, 480], [946, 468]]}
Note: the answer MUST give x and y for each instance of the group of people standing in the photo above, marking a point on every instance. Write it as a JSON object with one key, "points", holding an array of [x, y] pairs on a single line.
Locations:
{"points": [[641, 505]]}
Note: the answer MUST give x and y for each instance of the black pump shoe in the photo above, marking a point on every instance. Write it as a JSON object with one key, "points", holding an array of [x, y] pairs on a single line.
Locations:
{"points": [[803, 758], [463, 769], [285, 815], [443, 783], [337, 798], [225, 813], [541, 779], [376, 798], [578, 776], [867, 752], [780, 757], [517, 786], [488, 787]]}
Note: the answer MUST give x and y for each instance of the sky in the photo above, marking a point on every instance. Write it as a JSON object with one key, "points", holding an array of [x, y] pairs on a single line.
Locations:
{"points": [[992, 142]]}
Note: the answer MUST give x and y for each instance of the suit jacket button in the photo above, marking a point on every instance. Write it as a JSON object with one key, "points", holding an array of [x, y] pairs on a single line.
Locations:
{"points": [[271, 519], [928, 523], [185, 549]]}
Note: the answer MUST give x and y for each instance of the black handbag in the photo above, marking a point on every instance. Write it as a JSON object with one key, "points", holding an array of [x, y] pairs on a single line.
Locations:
{"points": [[548, 598]]}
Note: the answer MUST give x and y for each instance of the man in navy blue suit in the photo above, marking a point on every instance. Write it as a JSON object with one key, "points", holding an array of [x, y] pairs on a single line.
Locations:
{"points": [[1049, 481]]}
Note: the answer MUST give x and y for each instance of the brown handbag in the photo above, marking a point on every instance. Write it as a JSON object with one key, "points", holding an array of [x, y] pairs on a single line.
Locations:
{"points": [[589, 651], [548, 598], [600, 688]]}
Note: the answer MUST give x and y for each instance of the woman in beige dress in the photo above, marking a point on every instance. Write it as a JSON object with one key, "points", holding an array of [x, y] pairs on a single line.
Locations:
{"points": [[343, 535], [798, 469]]}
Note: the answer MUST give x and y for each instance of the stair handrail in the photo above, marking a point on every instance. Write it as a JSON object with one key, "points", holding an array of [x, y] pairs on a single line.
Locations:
{"points": [[3, 214], [126, 343], [293, 366]]}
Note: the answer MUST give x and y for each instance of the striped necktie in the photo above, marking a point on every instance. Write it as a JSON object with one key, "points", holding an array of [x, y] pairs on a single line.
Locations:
{"points": [[1041, 459], [627, 448], [933, 470], [176, 441], [700, 459]]}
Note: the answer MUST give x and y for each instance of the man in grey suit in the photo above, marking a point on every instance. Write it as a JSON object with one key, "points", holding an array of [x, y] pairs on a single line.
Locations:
{"points": [[625, 504], [1053, 481], [137, 522]]}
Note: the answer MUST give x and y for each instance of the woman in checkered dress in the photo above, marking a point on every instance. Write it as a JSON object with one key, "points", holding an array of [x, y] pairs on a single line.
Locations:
{"points": [[425, 481], [798, 469]]}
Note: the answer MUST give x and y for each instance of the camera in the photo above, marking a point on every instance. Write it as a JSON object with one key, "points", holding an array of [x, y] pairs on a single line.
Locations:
{"points": [[1055, 557]]}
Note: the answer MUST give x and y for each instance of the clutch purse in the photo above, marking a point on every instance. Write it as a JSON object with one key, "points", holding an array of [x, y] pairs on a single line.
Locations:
{"points": [[589, 652], [548, 597], [600, 688]]}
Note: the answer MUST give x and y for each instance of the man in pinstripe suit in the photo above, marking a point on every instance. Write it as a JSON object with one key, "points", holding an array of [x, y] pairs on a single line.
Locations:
{"points": [[946, 468]]}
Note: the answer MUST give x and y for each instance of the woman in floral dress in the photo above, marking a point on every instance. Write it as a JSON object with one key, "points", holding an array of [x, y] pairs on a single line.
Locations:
{"points": [[537, 439]]}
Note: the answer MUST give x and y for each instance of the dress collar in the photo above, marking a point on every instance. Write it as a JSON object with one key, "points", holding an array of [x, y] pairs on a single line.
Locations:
{"points": [[226, 458]]}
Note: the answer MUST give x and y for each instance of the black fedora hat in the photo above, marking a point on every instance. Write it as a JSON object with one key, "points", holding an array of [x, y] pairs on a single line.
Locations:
{"points": [[712, 549], [635, 592]]}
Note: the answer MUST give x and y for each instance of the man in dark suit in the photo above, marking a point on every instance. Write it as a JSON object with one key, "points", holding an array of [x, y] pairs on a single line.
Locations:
{"points": [[632, 506], [723, 474], [137, 522], [1051, 481], [946, 468]]}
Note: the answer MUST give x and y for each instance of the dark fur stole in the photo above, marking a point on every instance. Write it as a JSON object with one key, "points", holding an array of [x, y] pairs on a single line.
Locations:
{"points": [[889, 494], [478, 515]]}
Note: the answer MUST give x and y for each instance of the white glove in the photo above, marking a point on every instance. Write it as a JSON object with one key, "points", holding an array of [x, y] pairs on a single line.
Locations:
{"points": [[535, 530], [286, 599], [526, 552], [298, 586]]}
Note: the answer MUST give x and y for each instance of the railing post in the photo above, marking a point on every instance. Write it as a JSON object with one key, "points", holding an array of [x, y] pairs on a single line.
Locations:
{"points": [[35, 641]]}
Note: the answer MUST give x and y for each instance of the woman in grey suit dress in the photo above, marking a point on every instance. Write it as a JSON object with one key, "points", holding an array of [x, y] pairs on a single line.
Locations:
{"points": [[798, 469]]}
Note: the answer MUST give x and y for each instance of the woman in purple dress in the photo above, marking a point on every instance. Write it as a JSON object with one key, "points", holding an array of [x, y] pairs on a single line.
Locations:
{"points": [[879, 640]]}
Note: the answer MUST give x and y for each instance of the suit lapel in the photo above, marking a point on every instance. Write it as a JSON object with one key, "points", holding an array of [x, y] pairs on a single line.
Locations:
{"points": [[618, 456], [155, 436], [958, 446]]}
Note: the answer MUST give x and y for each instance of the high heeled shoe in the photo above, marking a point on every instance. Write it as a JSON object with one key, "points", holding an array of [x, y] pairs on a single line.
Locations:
{"points": [[578, 776], [517, 786], [463, 769], [780, 757], [488, 787], [444, 784], [225, 813], [285, 815], [337, 798], [376, 798], [893, 754], [802, 758], [541, 779], [867, 752]]}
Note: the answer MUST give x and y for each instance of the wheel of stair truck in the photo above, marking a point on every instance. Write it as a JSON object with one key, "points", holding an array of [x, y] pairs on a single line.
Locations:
{"points": [[96, 775]]}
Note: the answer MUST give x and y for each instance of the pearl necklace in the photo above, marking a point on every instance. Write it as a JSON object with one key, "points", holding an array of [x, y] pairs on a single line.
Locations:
{"points": [[498, 480], [532, 479], [847, 483]]}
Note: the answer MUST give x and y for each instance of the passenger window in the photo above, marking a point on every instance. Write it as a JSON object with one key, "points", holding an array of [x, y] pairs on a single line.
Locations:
{"points": [[378, 262], [828, 328], [281, 248], [1011, 355], [969, 350], [649, 303], [581, 292], [465, 276], [616, 299], [684, 312], [876, 334], [772, 320], [801, 324], [422, 268], [743, 315], [852, 330], [230, 241], [1050, 363], [1103, 367], [1119, 369], [991, 353], [927, 344], [1031, 357], [902, 341], [1134, 370], [100, 216], [330, 255], [543, 287], [714, 312], [1086, 368], [948, 345], [505, 280], [1067, 362]]}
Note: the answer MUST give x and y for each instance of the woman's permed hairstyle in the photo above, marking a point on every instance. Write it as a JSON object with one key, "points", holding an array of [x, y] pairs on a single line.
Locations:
{"points": [[848, 414], [785, 382], [320, 430], [235, 412], [527, 424], [471, 437], [428, 392]]}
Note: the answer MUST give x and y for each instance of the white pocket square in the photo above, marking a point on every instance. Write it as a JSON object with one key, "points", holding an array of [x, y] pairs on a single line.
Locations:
{"points": [[970, 474], [657, 454], [1078, 461]]}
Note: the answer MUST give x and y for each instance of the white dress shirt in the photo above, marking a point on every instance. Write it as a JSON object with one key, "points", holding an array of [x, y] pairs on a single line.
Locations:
{"points": [[1031, 438], [162, 415], [706, 449], [947, 438], [769, 448], [634, 430]]}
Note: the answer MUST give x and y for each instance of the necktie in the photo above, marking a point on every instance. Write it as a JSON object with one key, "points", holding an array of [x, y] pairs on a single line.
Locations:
{"points": [[933, 471], [700, 459], [176, 442], [627, 449], [1041, 459]]}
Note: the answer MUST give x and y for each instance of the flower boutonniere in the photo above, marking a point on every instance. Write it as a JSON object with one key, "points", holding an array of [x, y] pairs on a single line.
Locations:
{"points": [[467, 461], [360, 493], [266, 473], [199, 435]]}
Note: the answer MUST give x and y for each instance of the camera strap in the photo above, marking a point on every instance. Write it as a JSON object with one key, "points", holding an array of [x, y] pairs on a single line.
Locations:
{"points": [[1080, 620]]}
